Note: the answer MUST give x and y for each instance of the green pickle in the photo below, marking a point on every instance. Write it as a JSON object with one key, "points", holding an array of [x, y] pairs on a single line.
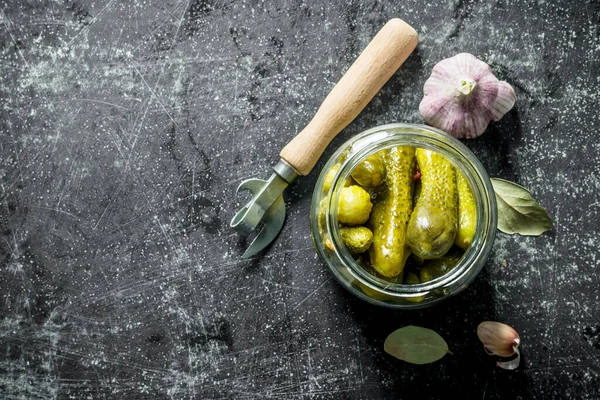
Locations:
{"points": [[412, 279], [390, 215], [354, 206], [433, 269], [385, 216], [433, 223], [357, 239], [328, 181], [364, 263], [467, 213], [370, 172]]}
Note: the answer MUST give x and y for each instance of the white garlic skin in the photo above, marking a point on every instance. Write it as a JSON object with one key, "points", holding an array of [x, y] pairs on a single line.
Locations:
{"points": [[463, 95]]}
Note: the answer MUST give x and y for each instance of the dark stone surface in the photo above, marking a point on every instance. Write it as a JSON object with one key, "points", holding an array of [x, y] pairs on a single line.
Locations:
{"points": [[125, 127]]}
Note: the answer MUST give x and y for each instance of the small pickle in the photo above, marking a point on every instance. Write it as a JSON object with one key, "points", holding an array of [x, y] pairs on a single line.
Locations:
{"points": [[366, 289], [322, 214], [433, 223], [370, 172], [391, 213], [373, 293], [354, 205], [357, 239], [412, 279], [328, 180], [467, 213], [440, 266]]}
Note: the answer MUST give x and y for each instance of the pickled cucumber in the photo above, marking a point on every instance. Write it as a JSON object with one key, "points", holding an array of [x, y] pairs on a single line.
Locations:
{"points": [[357, 239], [467, 213], [328, 180], [354, 205], [322, 214], [433, 223], [370, 172], [372, 293], [391, 213], [440, 266], [413, 279]]}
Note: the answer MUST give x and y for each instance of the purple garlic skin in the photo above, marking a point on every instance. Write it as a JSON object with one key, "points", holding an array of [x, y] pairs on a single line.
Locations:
{"points": [[462, 96]]}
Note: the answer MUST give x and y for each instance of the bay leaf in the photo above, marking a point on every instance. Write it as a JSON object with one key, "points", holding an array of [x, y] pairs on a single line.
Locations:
{"points": [[518, 212], [416, 345]]}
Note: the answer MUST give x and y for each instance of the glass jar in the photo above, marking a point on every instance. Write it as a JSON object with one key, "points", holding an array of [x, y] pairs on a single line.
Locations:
{"points": [[325, 227]]}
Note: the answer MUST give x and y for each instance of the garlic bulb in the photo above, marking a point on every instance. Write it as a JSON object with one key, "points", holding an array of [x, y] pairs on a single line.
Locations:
{"points": [[462, 96]]}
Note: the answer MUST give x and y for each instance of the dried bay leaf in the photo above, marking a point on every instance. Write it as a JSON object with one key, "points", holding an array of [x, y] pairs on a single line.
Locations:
{"points": [[518, 212], [416, 345]]}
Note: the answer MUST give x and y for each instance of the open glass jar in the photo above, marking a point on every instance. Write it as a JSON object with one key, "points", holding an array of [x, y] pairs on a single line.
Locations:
{"points": [[372, 287]]}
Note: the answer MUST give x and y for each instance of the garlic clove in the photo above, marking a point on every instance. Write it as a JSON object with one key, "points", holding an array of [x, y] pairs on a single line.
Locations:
{"points": [[505, 100], [512, 363], [462, 96], [498, 338]]}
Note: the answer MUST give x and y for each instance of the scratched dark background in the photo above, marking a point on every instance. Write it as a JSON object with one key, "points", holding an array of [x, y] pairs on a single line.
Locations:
{"points": [[125, 128]]}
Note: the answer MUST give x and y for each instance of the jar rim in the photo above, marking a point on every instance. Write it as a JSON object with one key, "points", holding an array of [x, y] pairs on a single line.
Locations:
{"points": [[386, 136]]}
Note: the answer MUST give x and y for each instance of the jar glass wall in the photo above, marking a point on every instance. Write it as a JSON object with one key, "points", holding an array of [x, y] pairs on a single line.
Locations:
{"points": [[325, 226]]}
